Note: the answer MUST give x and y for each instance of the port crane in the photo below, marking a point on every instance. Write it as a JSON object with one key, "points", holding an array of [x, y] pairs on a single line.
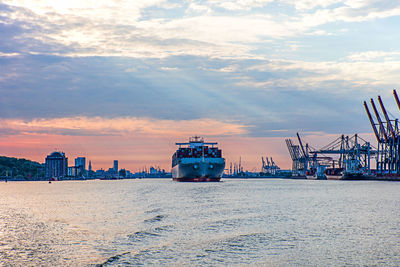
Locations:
{"points": [[303, 161], [269, 166], [299, 162], [387, 134], [352, 153]]}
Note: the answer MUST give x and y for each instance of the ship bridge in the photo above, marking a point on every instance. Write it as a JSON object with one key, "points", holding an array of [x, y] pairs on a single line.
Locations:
{"points": [[196, 141]]}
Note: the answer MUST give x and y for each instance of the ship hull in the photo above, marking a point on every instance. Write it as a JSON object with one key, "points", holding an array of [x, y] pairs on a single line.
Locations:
{"points": [[298, 177], [334, 177], [385, 177], [315, 177], [350, 176], [198, 170], [334, 173], [312, 177], [354, 176]]}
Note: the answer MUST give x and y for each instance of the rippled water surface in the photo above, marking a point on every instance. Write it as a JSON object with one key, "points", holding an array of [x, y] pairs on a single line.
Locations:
{"points": [[272, 222]]}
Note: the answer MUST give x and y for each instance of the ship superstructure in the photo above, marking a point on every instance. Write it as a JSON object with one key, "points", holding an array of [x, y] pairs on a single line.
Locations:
{"points": [[197, 161]]}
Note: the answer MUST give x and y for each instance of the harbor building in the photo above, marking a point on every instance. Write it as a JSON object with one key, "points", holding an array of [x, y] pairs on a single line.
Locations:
{"points": [[56, 165]]}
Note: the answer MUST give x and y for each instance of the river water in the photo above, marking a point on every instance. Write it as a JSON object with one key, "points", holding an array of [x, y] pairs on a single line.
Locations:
{"points": [[265, 222]]}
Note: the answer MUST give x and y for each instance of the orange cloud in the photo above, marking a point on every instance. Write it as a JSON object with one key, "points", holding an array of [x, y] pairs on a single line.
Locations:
{"points": [[122, 125]]}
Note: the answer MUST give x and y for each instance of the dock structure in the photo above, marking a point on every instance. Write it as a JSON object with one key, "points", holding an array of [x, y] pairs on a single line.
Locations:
{"points": [[387, 134], [353, 153], [350, 153]]}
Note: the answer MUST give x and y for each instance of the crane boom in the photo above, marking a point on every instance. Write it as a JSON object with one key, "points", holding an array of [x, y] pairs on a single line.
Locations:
{"points": [[396, 98], [301, 145], [371, 120], [290, 148], [379, 120], [386, 117]]}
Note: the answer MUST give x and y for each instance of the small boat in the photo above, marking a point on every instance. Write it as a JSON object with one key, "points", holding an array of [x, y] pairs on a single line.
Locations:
{"points": [[334, 173], [311, 174]]}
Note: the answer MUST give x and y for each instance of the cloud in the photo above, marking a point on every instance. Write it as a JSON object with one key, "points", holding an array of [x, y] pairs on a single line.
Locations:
{"points": [[257, 63], [159, 28], [359, 70], [169, 68], [375, 55], [348, 11], [96, 126], [119, 11], [9, 54], [311, 4], [198, 8], [240, 4], [261, 95]]}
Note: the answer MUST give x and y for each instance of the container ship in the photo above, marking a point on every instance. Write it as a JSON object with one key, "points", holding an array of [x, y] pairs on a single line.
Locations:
{"points": [[197, 161]]}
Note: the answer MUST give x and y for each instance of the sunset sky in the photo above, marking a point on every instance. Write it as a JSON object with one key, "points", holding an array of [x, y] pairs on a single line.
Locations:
{"points": [[126, 80]]}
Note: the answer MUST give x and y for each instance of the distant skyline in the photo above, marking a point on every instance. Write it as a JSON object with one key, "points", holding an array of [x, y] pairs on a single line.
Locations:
{"points": [[125, 80]]}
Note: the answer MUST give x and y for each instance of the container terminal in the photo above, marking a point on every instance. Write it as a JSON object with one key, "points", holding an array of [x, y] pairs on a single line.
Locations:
{"points": [[349, 157]]}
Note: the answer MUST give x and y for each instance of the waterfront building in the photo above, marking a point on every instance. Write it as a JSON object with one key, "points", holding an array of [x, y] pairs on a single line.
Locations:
{"points": [[73, 171], [116, 166], [100, 173], [90, 165], [56, 165], [111, 173], [81, 163]]}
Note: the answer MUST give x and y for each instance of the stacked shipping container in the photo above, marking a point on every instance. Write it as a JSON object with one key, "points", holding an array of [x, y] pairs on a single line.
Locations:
{"points": [[196, 152]]}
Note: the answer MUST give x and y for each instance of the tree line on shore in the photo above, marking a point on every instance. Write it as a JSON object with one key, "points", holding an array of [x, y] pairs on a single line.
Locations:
{"points": [[20, 168]]}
